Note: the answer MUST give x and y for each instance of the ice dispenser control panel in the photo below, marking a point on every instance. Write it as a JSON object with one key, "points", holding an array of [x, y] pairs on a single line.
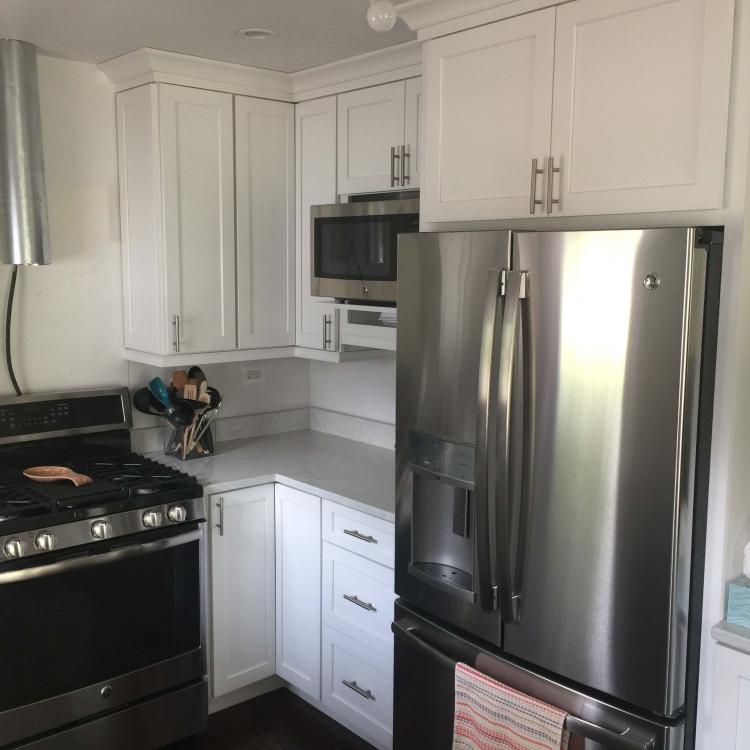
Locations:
{"points": [[454, 461]]}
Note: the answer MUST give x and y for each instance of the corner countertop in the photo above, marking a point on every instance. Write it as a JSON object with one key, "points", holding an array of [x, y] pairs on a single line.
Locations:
{"points": [[348, 472]]}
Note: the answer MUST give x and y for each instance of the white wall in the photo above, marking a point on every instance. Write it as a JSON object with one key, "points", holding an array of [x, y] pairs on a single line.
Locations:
{"points": [[67, 317], [362, 389]]}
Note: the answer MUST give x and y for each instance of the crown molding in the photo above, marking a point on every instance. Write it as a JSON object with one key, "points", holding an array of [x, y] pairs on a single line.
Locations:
{"points": [[370, 69], [148, 65], [433, 18]]}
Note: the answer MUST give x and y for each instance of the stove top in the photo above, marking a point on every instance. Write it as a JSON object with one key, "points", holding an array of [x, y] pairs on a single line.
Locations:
{"points": [[118, 480]]}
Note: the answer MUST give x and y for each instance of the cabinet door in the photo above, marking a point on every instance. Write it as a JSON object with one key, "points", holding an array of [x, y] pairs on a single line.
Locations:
{"points": [[140, 220], [371, 122], [641, 100], [730, 718], [413, 117], [243, 589], [316, 184], [264, 155], [197, 147], [298, 589], [488, 108]]}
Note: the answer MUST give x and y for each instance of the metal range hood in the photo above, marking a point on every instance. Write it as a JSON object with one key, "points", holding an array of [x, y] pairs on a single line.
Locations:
{"points": [[23, 201]]}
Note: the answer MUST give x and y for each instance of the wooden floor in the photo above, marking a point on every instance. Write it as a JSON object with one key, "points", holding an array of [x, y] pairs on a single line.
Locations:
{"points": [[275, 721]]}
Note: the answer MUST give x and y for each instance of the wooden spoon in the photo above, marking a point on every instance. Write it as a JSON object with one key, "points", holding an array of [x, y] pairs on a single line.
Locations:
{"points": [[56, 474]]}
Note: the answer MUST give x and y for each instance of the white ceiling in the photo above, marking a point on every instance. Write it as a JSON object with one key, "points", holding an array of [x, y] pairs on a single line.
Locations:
{"points": [[310, 32]]}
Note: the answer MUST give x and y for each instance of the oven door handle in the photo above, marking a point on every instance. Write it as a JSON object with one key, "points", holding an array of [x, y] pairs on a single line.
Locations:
{"points": [[90, 561]]}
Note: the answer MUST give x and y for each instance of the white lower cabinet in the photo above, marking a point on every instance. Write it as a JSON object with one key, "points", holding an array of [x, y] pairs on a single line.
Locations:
{"points": [[242, 586], [358, 685], [303, 588], [298, 589]]}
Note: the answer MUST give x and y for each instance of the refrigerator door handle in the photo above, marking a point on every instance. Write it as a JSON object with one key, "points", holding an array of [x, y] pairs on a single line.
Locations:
{"points": [[484, 490], [515, 288]]}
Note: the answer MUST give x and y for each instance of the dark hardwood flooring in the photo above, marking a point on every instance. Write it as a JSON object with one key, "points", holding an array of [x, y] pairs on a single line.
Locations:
{"points": [[275, 721]]}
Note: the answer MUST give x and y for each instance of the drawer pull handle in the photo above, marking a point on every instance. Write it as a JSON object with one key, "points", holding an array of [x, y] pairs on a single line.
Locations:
{"points": [[357, 689], [361, 537], [354, 599]]}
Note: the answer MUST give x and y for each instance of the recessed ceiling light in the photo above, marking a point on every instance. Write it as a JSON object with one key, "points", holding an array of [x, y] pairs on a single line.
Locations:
{"points": [[256, 33]]}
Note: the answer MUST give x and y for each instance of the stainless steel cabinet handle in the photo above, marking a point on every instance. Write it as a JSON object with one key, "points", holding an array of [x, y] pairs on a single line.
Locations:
{"points": [[486, 432], [354, 599], [405, 164], [176, 331], [551, 171], [357, 689], [220, 525], [361, 537], [535, 172], [327, 332], [515, 288], [395, 177]]}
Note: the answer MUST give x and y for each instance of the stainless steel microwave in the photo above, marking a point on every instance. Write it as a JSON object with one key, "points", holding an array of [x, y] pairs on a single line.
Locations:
{"points": [[354, 247]]}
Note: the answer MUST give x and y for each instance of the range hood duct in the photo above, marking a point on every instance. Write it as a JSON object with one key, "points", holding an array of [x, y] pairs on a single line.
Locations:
{"points": [[23, 202]]}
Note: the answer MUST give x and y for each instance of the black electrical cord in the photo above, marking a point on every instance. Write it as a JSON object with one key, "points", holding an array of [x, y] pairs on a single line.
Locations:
{"points": [[8, 317]]}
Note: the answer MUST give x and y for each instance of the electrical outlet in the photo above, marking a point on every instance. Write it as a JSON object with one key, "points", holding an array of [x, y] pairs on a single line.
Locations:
{"points": [[253, 375]]}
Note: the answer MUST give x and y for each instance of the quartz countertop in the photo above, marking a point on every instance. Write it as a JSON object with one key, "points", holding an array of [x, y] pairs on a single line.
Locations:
{"points": [[348, 472]]}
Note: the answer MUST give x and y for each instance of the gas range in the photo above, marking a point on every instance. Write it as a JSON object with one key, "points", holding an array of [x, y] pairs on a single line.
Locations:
{"points": [[106, 582]]}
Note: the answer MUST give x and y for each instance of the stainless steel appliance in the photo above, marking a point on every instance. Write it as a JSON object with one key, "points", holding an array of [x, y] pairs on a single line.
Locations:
{"points": [[354, 248], [102, 586], [554, 399]]}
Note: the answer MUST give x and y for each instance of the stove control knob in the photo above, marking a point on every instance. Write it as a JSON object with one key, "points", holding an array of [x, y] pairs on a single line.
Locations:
{"points": [[45, 541], [15, 548], [101, 530], [152, 518], [177, 513]]}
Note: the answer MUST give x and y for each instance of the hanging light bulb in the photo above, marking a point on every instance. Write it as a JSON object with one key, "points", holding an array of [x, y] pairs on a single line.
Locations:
{"points": [[381, 15]]}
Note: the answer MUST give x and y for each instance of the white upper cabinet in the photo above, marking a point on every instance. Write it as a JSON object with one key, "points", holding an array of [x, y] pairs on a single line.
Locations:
{"points": [[242, 587], [623, 103], [316, 184], [488, 98], [264, 132], [641, 100], [379, 137], [197, 150], [371, 128]]}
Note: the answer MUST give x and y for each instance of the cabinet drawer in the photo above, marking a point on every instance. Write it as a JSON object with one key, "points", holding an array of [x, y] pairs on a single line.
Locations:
{"points": [[358, 597], [358, 685], [366, 535]]}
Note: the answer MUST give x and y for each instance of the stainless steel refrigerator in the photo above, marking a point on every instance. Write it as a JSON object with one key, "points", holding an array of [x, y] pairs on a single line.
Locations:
{"points": [[554, 395]]}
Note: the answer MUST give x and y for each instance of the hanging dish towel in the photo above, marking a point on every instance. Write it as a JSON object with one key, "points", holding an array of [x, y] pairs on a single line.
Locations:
{"points": [[491, 716]]}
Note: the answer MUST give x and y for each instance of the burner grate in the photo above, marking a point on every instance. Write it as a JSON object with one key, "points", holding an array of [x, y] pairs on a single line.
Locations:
{"points": [[138, 474]]}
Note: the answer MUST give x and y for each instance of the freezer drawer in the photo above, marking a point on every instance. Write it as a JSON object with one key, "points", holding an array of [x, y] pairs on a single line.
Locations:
{"points": [[425, 656]]}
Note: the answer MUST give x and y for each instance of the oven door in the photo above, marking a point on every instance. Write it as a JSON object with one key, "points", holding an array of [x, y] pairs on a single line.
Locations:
{"points": [[425, 657], [93, 629], [354, 248]]}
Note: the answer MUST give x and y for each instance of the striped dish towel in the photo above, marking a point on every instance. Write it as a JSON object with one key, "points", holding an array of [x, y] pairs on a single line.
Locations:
{"points": [[491, 716]]}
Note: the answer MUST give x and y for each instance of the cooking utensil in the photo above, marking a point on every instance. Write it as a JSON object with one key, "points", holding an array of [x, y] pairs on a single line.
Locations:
{"points": [[179, 412], [179, 379], [205, 422], [190, 392], [195, 373], [145, 402], [203, 396], [56, 474]]}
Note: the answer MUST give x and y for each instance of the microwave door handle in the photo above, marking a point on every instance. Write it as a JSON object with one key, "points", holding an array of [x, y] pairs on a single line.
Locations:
{"points": [[514, 291], [92, 561], [485, 484]]}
